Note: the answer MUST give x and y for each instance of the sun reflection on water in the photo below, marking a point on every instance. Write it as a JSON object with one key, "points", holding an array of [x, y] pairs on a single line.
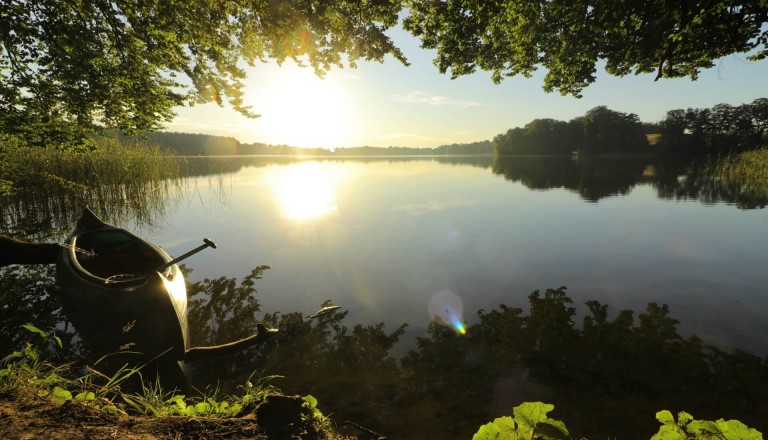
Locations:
{"points": [[305, 191]]}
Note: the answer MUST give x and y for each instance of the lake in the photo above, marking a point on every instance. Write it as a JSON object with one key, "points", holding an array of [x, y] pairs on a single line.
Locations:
{"points": [[434, 262], [383, 237]]}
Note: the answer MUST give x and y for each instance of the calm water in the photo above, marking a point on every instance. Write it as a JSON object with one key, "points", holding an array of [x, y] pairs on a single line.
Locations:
{"points": [[398, 240], [383, 238]]}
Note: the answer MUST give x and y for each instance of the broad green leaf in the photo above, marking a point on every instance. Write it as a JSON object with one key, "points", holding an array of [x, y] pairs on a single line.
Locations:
{"points": [[85, 396], [683, 418], [506, 424], [310, 399], [669, 435], [59, 393], [202, 407], [735, 430], [528, 414], [58, 341], [665, 417], [489, 431], [699, 427], [669, 431], [178, 400], [552, 430]]}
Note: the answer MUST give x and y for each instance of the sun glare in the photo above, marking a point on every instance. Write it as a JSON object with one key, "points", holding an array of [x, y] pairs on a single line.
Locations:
{"points": [[300, 109], [305, 191]]}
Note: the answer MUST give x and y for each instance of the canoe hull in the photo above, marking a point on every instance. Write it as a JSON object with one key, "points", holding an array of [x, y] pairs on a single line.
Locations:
{"points": [[144, 312]]}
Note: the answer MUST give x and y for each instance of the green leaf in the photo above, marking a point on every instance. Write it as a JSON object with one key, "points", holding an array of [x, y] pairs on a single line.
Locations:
{"points": [[311, 400], [60, 394], [506, 424], [14, 355], [552, 430], [699, 427], [665, 417], [85, 396], [669, 435], [489, 431], [528, 414], [34, 329], [735, 430], [683, 418], [178, 400], [202, 407]]}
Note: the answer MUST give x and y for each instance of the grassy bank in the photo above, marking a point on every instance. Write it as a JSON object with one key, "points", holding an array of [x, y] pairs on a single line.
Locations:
{"points": [[64, 404]]}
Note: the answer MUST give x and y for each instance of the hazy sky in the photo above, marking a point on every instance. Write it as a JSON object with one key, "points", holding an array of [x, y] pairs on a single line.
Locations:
{"points": [[391, 104]]}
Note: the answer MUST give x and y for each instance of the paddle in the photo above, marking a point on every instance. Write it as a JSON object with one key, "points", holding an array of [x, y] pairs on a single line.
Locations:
{"points": [[206, 243], [122, 278], [322, 312]]}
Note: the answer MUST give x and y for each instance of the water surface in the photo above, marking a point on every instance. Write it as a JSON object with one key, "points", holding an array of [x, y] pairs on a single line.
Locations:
{"points": [[382, 237]]}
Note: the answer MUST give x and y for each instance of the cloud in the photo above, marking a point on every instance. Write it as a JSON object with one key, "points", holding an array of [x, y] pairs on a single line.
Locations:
{"points": [[417, 97]]}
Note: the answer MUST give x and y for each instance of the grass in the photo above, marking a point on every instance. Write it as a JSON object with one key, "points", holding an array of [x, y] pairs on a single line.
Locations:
{"points": [[110, 164], [133, 180], [750, 167], [25, 374]]}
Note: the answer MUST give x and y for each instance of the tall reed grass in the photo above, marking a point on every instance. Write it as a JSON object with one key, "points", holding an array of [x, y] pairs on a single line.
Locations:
{"points": [[747, 168], [45, 188]]}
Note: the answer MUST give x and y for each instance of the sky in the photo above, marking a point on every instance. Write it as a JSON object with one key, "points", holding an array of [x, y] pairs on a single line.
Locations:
{"points": [[389, 104]]}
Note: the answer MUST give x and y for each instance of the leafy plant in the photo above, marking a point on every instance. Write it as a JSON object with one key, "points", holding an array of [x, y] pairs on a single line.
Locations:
{"points": [[687, 428], [529, 421], [315, 413], [27, 370]]}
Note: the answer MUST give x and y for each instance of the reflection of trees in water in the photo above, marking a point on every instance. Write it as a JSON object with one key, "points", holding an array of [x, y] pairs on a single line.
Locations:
{"points": [[29, 295], [698, 184], [594, 178], [50, 213], [605, 377]]}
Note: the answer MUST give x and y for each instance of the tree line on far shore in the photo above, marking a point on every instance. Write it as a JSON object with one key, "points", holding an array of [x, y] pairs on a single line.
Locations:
{"points": [[192, 144], [722, 128]]}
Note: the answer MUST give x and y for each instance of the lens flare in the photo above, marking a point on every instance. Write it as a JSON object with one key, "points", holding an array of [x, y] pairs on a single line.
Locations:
{"points": [[446, 307]]}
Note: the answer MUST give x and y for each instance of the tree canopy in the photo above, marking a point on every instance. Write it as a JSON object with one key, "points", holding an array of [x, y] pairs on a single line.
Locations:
{"points": [[672, 38], [599, 131], [720, 128], [125, 64]]}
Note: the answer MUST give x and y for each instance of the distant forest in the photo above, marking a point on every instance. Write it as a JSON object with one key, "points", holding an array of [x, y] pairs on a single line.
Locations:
{"points": [[189, 144], [721, 129]]}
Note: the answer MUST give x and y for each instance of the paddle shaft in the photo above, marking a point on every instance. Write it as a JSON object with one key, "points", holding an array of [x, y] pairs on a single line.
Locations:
{"points": [[206, 243]]}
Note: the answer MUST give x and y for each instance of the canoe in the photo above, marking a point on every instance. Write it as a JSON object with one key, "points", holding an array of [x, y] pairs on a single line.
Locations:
{"points": [[117, 293]]}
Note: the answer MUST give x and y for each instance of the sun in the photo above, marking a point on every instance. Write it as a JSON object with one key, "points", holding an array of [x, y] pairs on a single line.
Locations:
{"points": [[304, 191], [300, 109]]}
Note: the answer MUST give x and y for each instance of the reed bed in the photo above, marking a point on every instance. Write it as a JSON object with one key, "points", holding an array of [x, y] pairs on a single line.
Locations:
{"points": [[750, 167], [43, 190]]}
